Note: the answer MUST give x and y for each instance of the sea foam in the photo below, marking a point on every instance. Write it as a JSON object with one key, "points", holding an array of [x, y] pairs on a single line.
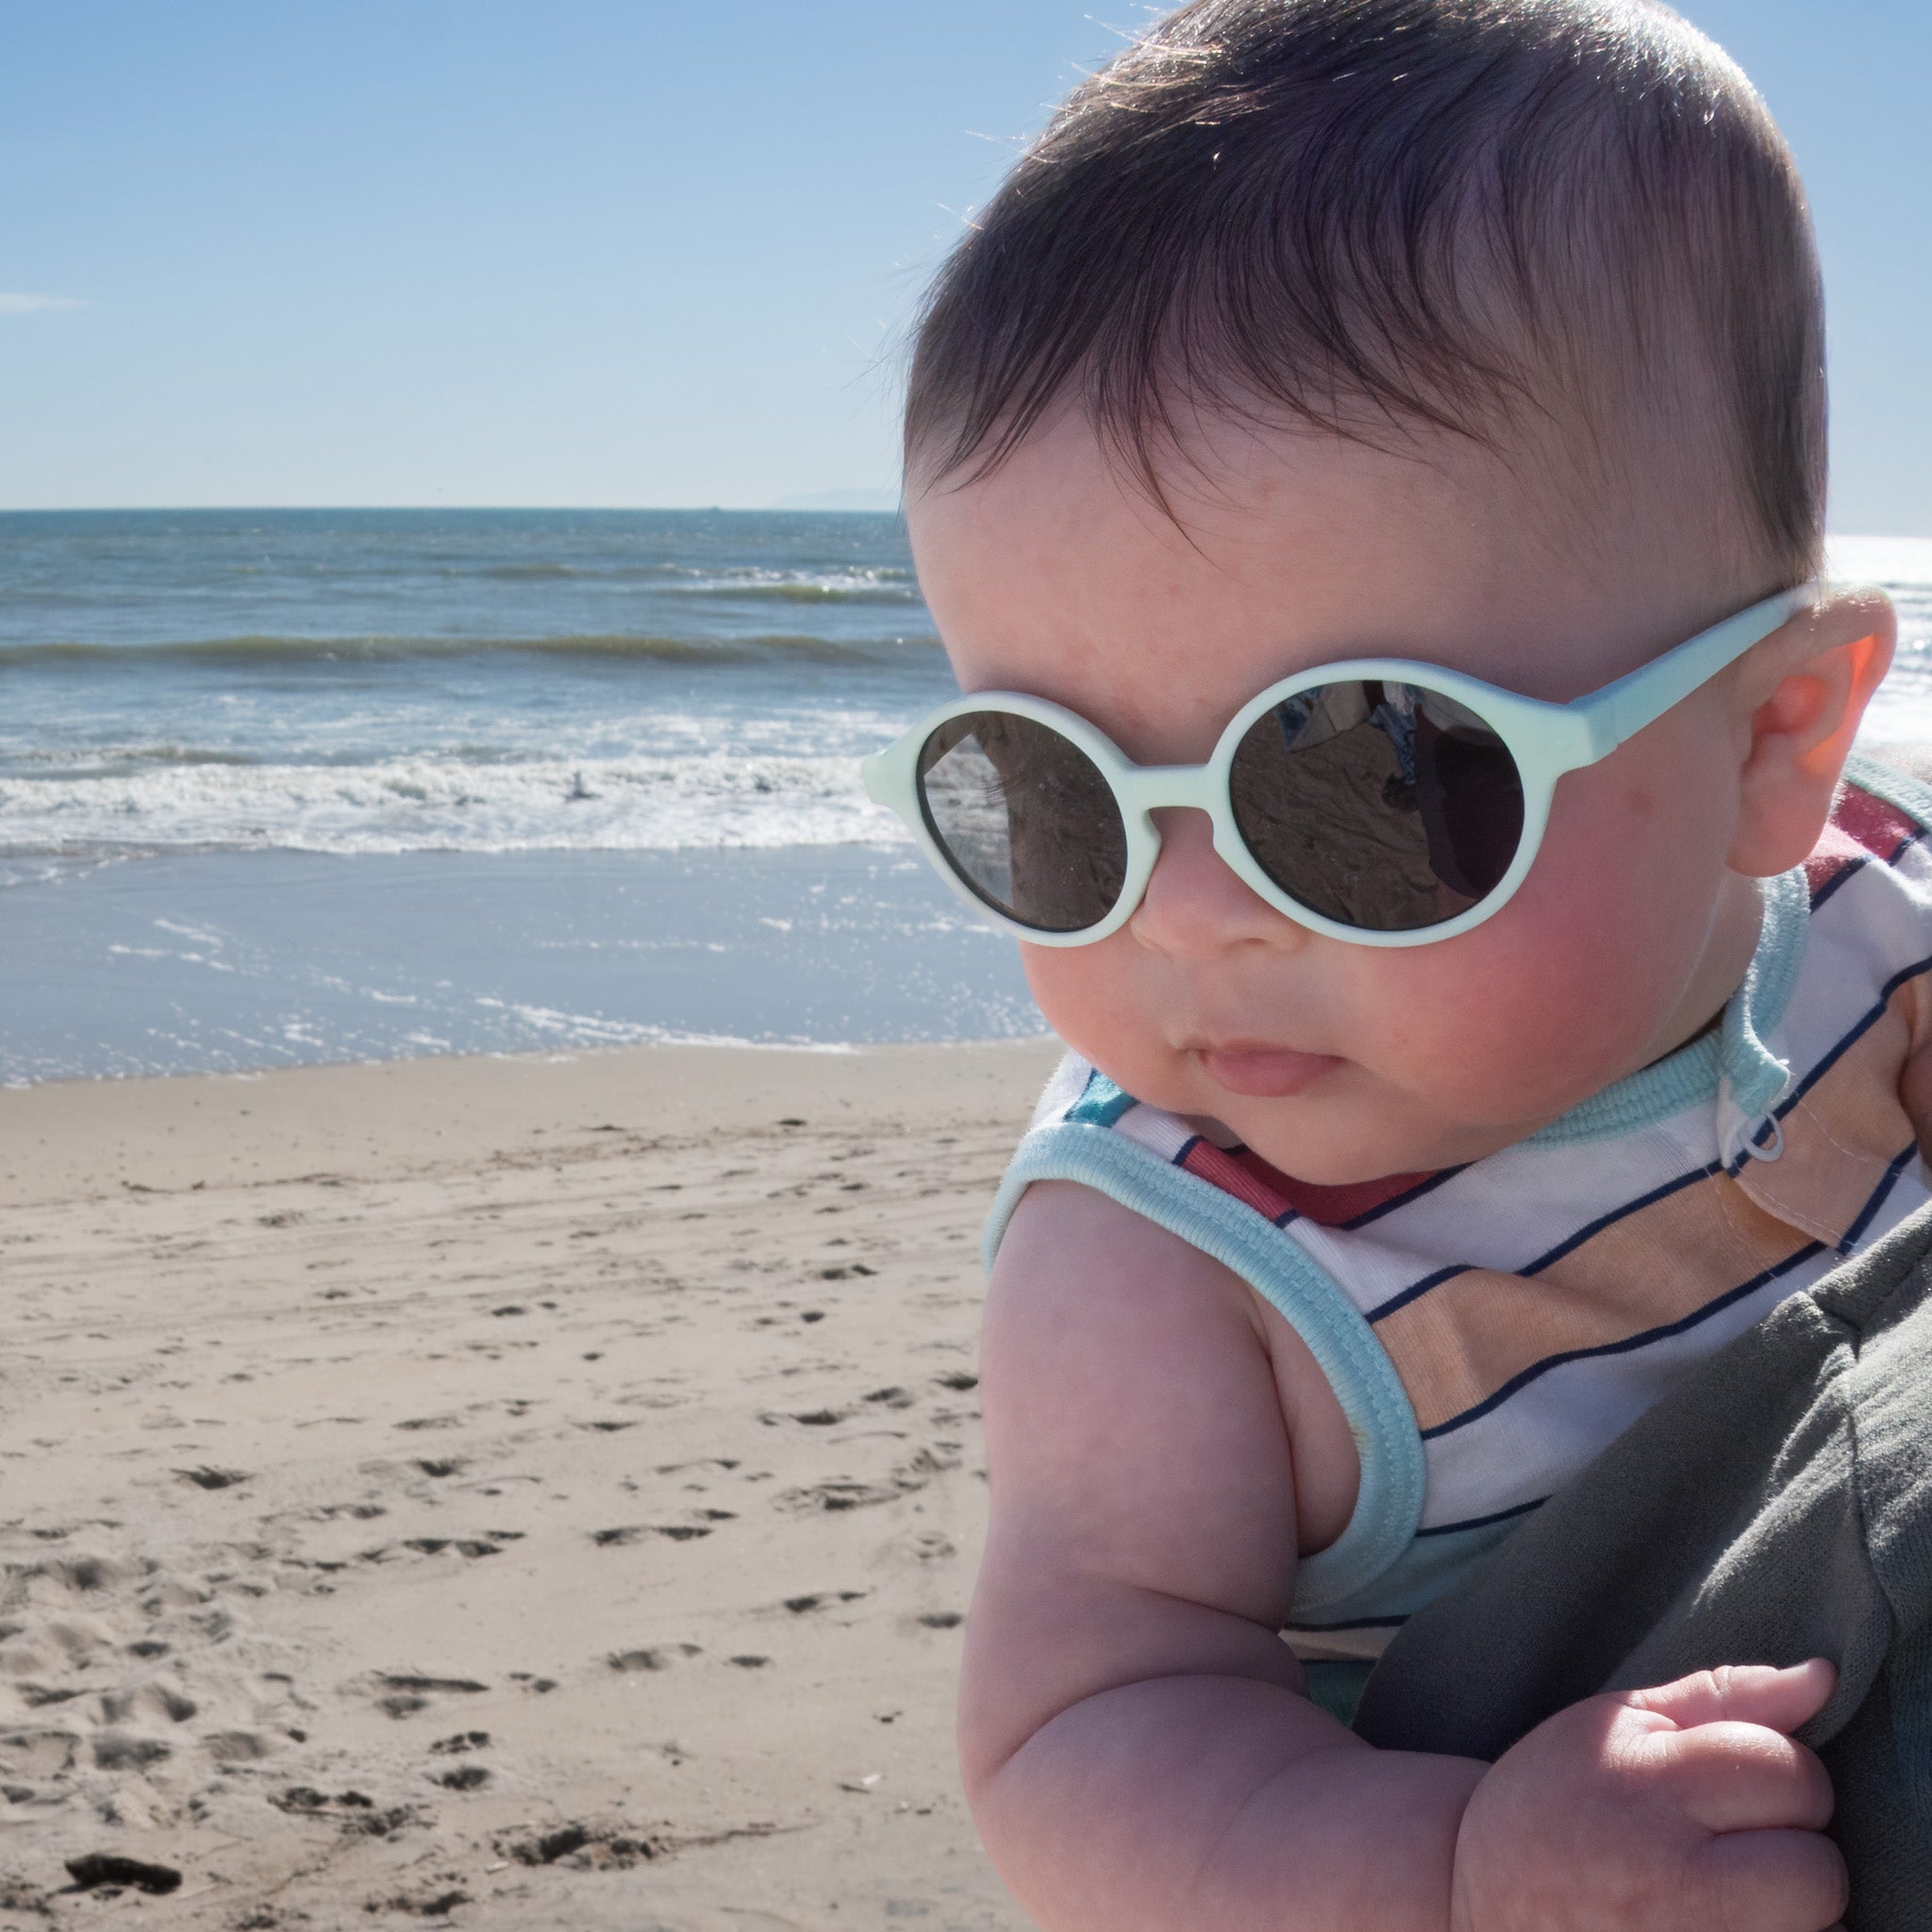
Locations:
{"points": [[705, 801]]}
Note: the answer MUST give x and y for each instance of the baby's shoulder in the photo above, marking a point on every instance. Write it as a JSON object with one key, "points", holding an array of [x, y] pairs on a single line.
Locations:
{"points": [[1134, 1229], [1098, 1318]]}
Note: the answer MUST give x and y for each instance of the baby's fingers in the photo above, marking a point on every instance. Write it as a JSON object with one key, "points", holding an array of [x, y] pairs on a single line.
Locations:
{"points": [[1743, 1777], [1742, 1693], [1778, 1881]]}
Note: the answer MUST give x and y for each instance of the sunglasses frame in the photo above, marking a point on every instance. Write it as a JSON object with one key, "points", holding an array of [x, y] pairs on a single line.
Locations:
{"points": [[1545, 740]]}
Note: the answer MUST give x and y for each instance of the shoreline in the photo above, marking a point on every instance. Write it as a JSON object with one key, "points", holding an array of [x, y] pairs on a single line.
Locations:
{"points": [[165, 1131], [233, 961], [551, 1484]]}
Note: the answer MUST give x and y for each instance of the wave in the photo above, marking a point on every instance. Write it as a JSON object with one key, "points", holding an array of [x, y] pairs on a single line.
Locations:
{"points": [[714, 801], [870, 587], [792, 647]]}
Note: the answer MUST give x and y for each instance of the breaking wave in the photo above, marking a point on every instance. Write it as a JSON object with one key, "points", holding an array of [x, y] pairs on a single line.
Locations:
{"points": [[708, 802]]}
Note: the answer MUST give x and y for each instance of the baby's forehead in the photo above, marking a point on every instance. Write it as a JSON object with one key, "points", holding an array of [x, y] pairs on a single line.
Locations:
{"points": [[1057, 573]]}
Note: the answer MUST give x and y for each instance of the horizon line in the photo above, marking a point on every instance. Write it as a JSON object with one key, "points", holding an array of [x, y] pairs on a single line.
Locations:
{"points": [[122, 510], [592, 509]]}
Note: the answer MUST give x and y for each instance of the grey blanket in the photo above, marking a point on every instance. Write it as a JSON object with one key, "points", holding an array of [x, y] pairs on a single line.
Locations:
{"points": [[1776, 1506]]}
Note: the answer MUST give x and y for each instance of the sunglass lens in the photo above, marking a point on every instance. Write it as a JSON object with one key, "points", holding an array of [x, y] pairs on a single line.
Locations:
{"points": [[1381, 805], [1025, 819]]}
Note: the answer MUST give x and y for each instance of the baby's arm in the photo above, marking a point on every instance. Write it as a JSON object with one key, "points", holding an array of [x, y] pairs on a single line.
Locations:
{"points": [[1136, 1744]]}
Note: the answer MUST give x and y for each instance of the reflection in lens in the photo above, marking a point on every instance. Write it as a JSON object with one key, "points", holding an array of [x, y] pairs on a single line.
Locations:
{"points": [[1025, 819], [1387, 807]]}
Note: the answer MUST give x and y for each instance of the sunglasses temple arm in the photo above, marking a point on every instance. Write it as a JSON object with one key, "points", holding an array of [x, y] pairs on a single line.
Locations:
{"points": [[1621, 710]]}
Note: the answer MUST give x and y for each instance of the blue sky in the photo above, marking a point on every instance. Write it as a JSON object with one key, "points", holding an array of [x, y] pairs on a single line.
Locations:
{"points": [[645, 253]]}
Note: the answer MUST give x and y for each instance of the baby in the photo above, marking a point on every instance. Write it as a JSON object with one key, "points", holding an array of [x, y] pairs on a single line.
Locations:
{"points": [[1367, 468]]}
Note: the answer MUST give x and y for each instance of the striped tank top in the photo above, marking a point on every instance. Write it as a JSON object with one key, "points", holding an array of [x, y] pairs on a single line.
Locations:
{"points": [[1490, 1328]]}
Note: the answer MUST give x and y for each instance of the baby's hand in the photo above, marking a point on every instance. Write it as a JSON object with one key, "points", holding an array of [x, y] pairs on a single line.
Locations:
{"points": [[1681, 1810]]}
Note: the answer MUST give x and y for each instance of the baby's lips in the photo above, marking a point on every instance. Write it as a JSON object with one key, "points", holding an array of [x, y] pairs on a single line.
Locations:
{"points": [[1264, 1073]]}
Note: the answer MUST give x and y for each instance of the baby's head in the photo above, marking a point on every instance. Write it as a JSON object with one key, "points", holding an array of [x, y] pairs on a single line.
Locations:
{"points": [[1486, 333]]}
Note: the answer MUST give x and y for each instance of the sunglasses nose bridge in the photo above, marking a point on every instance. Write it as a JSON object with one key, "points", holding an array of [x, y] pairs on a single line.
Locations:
{"points": [[1147, 789]]}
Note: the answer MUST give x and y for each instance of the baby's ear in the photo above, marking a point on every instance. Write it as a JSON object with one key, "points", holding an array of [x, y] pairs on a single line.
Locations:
{"points": [[1805, 688]]}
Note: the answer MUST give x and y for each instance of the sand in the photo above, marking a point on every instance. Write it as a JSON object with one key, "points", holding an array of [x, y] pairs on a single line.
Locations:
{"points": [[505, 1492]]}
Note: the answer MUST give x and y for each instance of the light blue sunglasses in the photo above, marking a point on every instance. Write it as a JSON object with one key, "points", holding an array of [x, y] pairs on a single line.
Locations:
{"points": [[1378, 801]]}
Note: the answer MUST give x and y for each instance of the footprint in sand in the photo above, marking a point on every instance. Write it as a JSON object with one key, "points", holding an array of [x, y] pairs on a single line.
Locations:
{"points": [[585, 1847], [844, 1492], [432, 1903], [799, 1605], [94, 1870], [626, 1534], [306, 1799], [402, 1694], [659, 1659], [208, 1478]]}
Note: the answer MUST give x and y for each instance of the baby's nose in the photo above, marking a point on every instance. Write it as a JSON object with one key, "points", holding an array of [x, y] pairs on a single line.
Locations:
{"points": [[1195, 906]]}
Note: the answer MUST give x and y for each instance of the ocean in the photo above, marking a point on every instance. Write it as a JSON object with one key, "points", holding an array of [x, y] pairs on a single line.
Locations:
{"points": [[292, 785]]}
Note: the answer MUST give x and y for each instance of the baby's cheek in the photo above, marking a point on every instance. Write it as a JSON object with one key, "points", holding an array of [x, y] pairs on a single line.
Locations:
{"points": [[1556, 996], [1091, 1003]]}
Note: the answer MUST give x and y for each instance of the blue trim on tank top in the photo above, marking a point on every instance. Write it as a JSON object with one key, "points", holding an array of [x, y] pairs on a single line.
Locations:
{"points": [[1389, 1501]]}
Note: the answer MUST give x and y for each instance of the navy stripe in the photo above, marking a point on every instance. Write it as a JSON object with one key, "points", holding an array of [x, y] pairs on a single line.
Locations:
{"points": [[1880, 1194], [1900, 977], [1564, 1247], [1482, 1522], [1844, 1045], [1625, 1346], [1352, 1624], [1421, 1287], [1396, 1201], [1838, 878], [1867, 857], [1905, 846], [1617, 1214]]}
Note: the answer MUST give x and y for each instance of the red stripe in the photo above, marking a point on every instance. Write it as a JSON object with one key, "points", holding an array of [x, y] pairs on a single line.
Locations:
{"points": [[1870, 824], [1229, 1172], [1861, 826], [1331, 1207], [1269, 1192]]}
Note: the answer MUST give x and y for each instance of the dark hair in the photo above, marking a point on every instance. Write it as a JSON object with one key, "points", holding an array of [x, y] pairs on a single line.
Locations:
{"points": [[1454, 213]]}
